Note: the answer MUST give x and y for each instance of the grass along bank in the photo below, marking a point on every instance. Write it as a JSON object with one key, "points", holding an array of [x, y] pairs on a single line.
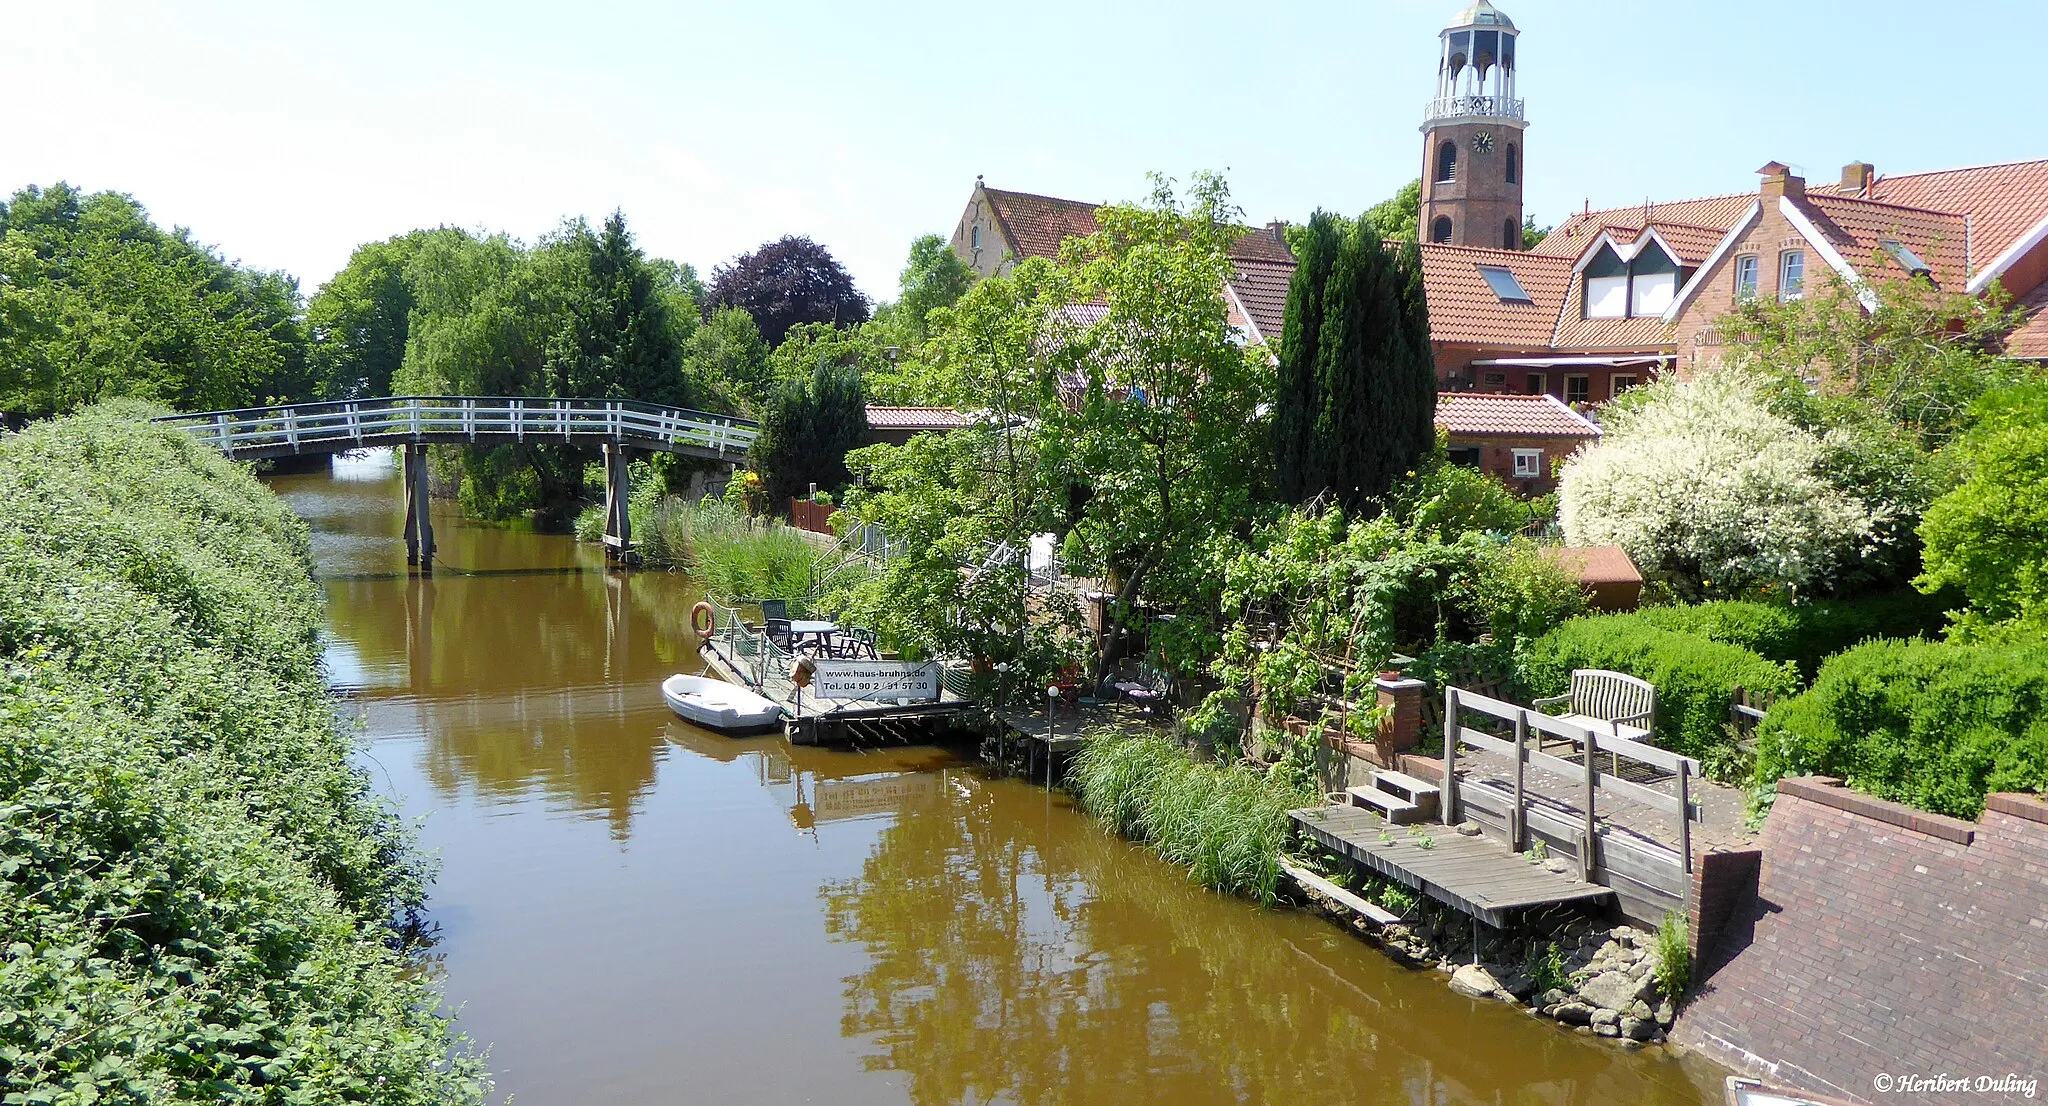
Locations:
{"points": [[202, 894], [734, 555]]}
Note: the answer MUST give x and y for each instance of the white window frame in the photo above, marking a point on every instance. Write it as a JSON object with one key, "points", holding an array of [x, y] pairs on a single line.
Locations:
{"points": [[1746, 290], [1611, 302], [1528, 463], [1621, 382], [1650, 293], [1587, 379], [1787, 261]]}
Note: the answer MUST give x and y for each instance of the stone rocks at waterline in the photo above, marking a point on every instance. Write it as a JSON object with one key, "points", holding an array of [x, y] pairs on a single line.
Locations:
{"points": [[1476, 981], [1609, 991]]}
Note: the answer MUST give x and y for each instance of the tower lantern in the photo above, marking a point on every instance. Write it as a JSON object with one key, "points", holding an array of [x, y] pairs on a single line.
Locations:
{"points": [[1472, 135]]}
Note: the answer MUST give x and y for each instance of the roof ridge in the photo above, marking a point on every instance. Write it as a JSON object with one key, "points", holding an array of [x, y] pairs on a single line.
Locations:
{"points": [[1838, 197], [1964, 168], [1041, 196], [1655, 204]]}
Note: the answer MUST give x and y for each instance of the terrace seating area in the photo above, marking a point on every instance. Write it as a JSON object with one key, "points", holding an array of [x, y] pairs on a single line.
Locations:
{"points": [[813, 637]]}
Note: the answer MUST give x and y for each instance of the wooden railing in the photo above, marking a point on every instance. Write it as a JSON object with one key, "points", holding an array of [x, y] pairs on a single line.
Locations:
{"points": [[1632, 865], [358, 424]]}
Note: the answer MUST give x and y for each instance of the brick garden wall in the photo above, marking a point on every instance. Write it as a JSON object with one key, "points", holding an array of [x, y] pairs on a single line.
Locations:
{"points": [[1883, 940]]}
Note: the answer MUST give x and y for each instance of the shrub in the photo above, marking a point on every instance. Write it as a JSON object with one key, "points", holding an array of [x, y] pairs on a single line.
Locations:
{"points": [[1806, 633], [1674, 956], [196, 883], [1225, 824], [1936, 725], [1695, 678]]}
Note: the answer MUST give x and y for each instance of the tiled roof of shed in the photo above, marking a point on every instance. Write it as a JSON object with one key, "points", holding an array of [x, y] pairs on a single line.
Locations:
{"points": [[915, 418], [2003, 201], [1464, 308], [1488, 413], [1859, 228]]}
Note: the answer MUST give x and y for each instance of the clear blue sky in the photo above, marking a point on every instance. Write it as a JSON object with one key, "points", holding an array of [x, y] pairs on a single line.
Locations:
{"points": [[286, 134]]}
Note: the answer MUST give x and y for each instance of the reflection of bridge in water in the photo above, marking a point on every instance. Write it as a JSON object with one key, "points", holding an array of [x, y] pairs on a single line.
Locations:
{"points": [[415, 422]]}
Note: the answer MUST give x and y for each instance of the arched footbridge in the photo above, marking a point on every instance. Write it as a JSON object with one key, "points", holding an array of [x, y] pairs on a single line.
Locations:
{"points": [[411, 423]]}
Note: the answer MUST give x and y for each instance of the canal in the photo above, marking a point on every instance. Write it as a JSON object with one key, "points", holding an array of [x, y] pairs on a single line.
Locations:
{"points": [[631, 910]]}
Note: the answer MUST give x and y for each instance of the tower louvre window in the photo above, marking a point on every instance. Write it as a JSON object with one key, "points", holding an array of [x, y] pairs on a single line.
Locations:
{"points": [[1514, 171], [1440, 231], [1510, 238], [1447, 162]]}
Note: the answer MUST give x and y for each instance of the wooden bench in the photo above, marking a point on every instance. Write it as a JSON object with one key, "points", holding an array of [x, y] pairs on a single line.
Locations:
{"points": [[1399, 798], [1615, 705]]}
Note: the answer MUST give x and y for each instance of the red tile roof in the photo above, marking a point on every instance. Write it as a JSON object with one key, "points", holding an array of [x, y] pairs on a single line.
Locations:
{"points": [[1572, 236], [1594, 564], [1261, 287], [916, 418], [1463, 308], [1858, 229], [1471, 414], [2002, 201], [1034, 226], [2031, 339]]}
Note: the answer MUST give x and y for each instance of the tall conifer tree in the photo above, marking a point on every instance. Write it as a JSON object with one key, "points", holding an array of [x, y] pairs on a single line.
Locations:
{"points": [[1295, 406]]}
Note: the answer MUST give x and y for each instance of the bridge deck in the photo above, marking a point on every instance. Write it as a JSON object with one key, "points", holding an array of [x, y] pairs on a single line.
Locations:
{"points": [[1477, 875]]}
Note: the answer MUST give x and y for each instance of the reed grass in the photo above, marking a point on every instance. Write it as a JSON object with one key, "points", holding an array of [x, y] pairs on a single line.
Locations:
{"points": [[1226, 824]]}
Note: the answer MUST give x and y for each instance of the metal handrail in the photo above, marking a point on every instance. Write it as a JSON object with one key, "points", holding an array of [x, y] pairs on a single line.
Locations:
{"points": [[1491, 107]]}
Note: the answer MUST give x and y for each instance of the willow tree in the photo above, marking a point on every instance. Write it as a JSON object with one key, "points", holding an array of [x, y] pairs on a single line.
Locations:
{"points": [[1357, 395]]}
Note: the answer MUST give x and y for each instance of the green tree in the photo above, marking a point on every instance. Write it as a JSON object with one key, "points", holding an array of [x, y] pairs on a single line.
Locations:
{"points": [[358, 321], [1397, 218], [1358, 396], [727, 357], [1989, 535], [808, 428], [935, 276]]}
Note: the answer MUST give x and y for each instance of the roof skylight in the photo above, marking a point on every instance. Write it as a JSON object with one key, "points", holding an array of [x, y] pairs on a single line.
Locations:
{"points": [[1907, 259], [1504, 284]]}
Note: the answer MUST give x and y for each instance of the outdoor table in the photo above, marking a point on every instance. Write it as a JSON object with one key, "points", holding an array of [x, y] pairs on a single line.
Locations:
{"points": [[817, 631]]}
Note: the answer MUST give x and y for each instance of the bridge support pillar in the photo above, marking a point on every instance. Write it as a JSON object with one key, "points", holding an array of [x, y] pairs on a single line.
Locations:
{"points": [[419, 525], [618, 490]]}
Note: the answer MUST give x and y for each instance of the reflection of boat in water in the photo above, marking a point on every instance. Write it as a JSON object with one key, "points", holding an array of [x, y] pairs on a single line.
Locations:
{"points": [[717, 704], [817, 784]]}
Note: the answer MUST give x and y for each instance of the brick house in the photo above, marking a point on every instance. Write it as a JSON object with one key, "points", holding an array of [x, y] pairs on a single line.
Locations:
{"points": [[1611, 297], [1522, 439], [897, 425]]}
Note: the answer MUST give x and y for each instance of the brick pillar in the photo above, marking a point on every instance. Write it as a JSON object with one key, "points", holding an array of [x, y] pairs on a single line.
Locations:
{"points": [[1402, 731], [1723, 883]]}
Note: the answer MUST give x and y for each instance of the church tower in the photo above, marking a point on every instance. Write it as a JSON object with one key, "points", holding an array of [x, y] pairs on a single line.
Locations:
{"points": [[1472, 136]]}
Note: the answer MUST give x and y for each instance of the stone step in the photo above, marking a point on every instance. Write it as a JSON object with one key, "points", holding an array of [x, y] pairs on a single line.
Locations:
{"points": [[1404, 785], [1392, 807]]}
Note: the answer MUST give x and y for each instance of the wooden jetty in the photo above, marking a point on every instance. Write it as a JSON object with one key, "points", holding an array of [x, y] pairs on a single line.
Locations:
{"points": [[910, 702], [1474, 874]]}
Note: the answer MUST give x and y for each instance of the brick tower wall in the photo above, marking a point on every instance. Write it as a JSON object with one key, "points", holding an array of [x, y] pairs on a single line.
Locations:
{"points": [[1480, 200]]}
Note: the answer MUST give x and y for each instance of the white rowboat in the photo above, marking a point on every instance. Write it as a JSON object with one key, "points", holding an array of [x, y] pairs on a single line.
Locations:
{"points": [[718, 705]]}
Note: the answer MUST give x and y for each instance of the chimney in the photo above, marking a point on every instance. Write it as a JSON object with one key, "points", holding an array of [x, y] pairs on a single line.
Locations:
{"points": [[1857, 177], [1278, 229], [1779, 180]]}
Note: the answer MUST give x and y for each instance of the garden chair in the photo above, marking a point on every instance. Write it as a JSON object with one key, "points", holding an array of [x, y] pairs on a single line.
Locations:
{"points": [[857, 644], [775, 610], [1142, 685], [778, 632]]}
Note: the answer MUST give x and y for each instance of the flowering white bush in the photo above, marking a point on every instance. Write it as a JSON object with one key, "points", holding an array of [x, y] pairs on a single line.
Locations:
{"points": [[1704, 486]]}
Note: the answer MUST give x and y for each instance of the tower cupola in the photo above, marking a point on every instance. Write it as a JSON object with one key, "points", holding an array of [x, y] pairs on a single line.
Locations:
{"points": [[1472, 135]]}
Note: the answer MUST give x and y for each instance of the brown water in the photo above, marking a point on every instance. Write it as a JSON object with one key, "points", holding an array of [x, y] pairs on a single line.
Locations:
{"points": [[636, 911]]}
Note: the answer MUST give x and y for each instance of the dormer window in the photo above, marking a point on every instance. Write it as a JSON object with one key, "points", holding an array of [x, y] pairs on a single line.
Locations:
{"points": [[1607, 285], [1653, 280], [1907, 259]]}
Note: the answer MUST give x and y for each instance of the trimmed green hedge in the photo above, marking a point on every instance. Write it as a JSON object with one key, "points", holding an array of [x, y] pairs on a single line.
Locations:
{"points": [[1695, 678], [1931, 724], [1809, 633], [198, 889]]}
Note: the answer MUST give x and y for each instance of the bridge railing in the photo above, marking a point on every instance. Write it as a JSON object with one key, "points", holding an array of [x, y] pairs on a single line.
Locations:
{"points": [[349, 424]]}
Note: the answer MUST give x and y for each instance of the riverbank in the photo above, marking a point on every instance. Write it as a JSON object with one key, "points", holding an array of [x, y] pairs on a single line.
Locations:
{"points": [[205, 900]]}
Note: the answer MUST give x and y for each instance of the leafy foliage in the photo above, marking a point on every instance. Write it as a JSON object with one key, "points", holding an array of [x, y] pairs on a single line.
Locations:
{"points": [[1806, 633], [809, 427], [1695, 678], [1713, 493], [731, 555], [1674, 956], [1988, 536], [197, 885], [358, 322], [1226, 825], [98, 302], [934, 277], [788, 281], [1936, 725]]}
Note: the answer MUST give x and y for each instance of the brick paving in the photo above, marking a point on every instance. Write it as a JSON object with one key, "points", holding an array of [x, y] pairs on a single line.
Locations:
{"points": [[1884, 941]]}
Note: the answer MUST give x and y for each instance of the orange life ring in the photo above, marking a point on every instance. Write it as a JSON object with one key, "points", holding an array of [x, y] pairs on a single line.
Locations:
{"points": [[703, 620]]}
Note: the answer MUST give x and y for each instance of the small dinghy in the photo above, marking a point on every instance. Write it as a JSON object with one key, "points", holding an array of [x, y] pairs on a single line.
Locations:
{"points": [[718, 705]]}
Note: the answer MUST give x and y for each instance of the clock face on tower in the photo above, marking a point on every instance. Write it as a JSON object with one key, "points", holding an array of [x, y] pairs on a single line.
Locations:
{"points": [[1482, 142]]}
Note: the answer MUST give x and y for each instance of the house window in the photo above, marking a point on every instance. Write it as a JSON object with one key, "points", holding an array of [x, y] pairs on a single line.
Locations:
{"points": [[1440, 231], [1446, 163], [1466, 455], [1653, 282], [974, 238], [1514, 169], [1496, 380], [1745, 277], [1578, 388], [1791, 274], [1528, 462], [1510, 235], [1619, 383], [1504, 284], [1535, 385], [1606, 285]]}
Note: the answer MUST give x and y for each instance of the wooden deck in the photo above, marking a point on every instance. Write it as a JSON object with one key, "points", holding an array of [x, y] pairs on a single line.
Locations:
{"points": [[812, 719], [1477, 875]]}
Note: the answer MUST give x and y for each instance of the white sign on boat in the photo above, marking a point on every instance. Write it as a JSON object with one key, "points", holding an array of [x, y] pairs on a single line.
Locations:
{"points": [[877, 680]]}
